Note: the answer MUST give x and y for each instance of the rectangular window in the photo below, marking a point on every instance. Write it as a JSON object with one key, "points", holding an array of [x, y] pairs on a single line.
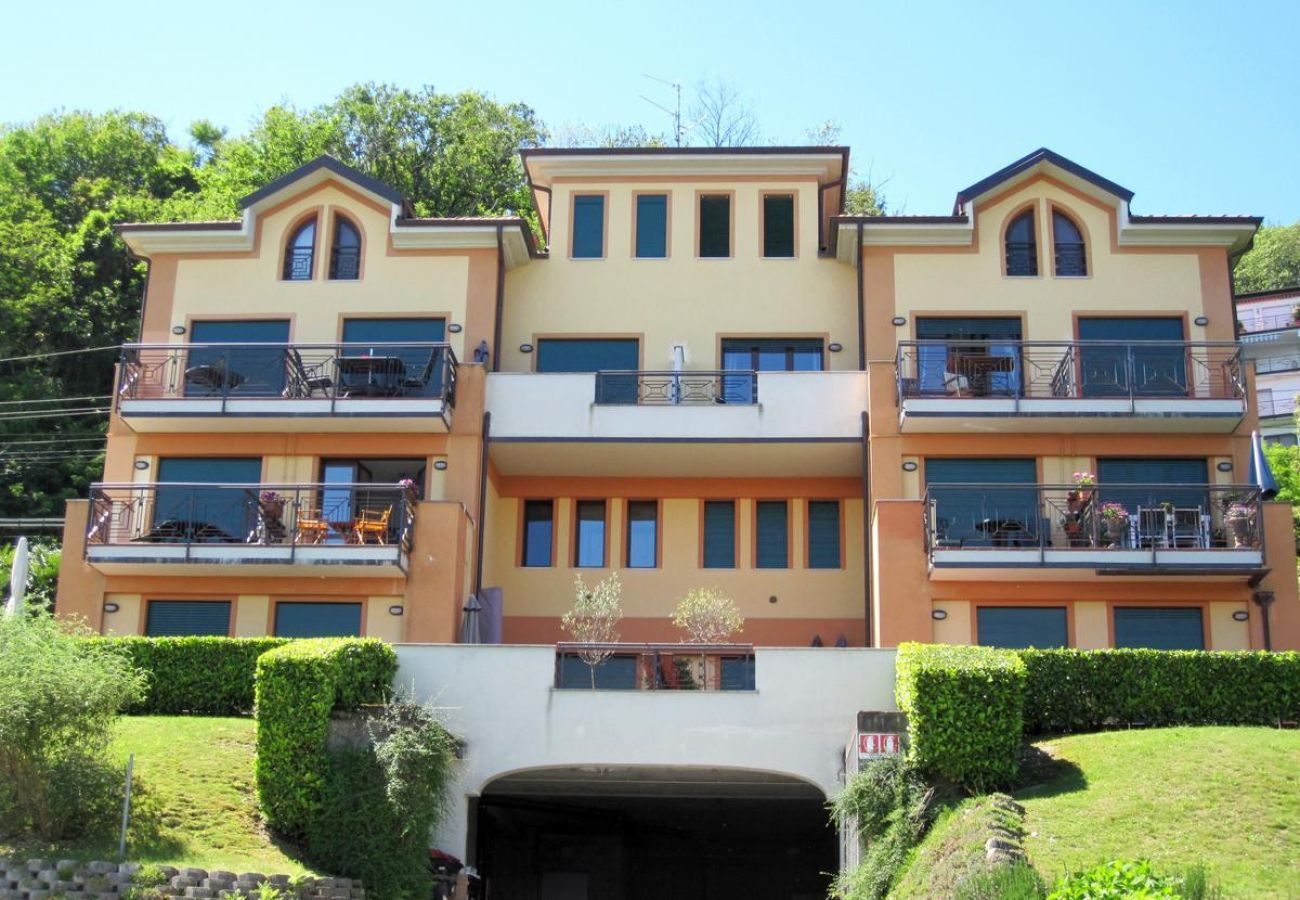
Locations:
{"points": [[978, 356], [719, 534], [1159, 627], [973, 509], [715, 226], [772, 534], [1021, 626], [588, 226], [182, 618], [185, 511], [618, 673], [589, 535], [823, 534], [368, 368], [1124, 367], [642, 534], [595, 355], [539, 532], [651, 226], [778, 225], [242, 369], [314, 620]]}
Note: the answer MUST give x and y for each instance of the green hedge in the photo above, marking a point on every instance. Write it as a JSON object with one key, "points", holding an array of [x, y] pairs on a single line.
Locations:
{"points": [[965, 708], [206, 676], [1071, 691], [298, 686]]}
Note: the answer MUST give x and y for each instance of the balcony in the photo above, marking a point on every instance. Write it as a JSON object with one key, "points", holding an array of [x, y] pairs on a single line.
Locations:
{"points": [[1036, 386], [696, 419], [253, 529], [1153, 529], [286, 388], [654, 667], [1275, 319], [1270, 407]]}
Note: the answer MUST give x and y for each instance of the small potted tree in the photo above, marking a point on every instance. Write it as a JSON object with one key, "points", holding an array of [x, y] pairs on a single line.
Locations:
{"points": [[594, 619], [1237, 518], [1114, 517], [708, 617]]}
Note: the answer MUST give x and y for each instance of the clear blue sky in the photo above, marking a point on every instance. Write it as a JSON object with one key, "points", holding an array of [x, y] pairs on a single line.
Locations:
{"points": [[1193, 105]]}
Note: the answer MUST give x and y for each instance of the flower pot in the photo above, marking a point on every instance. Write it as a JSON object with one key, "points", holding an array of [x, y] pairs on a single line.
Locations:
{"points": [[1239, 530], [1116, 529]]}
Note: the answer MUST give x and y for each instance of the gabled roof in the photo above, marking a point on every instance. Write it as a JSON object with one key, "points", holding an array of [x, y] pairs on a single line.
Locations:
{"points": [[1029, 162], [329, 164]]}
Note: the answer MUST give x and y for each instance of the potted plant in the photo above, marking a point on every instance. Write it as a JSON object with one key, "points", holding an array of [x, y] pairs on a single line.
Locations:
{"points": [[272, 504], [1082, 493], [1115, 518], [1237, 518]]}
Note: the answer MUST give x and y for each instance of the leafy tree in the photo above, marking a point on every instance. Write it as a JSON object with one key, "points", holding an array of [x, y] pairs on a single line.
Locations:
{"points": [[42, 574], [708, 616], [1273, 262], [1285, 463], [573, 134]]}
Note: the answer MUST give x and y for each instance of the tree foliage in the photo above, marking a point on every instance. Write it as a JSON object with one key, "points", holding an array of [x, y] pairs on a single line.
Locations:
{"points": [[1272, 263], [708, 616]]}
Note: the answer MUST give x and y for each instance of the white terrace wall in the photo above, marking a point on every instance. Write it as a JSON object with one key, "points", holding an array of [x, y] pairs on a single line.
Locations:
{"points": [[501, 702]]}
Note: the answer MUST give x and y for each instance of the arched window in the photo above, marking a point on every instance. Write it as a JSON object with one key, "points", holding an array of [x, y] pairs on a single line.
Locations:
{"points": [[300, 252], [345, 251], [1022, 245], [1071, 256]]}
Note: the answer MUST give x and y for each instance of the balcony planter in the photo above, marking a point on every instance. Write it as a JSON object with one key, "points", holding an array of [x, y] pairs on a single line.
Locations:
{"points": [[1114, 519], [1237, 519], [1074, 531]]}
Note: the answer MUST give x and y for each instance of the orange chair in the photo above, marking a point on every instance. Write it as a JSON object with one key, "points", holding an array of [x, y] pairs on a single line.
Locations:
{"points": [[372, 524], [311, 527]]}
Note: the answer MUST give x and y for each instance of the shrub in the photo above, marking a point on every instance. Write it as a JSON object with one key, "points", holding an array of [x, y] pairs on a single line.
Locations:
{"points": [[206, 676], [1018, 881], [59, 698], [1068, 691], [297, 687], [886, 803], [1115, 881], [964, 708], [708, 616], [379, 804]]}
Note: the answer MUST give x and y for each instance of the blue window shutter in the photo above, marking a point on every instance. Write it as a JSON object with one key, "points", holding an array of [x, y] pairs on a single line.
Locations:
{"points": [[778, 225], [719, 534], [823, 534], [651, 226], [1159, 627], [182, 618], [588, 226], [310, 620], [715, 225], [1021, 626], [773, 536]]}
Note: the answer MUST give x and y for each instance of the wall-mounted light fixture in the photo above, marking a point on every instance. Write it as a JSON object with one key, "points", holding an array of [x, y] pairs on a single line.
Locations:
{"points": [[142, 464], [1241, 616], [440, 465], [178, 329], [771, 599], [939, 614], [835, 348], [396, 610], [900, 320], [909, 466], [455, 327], [1201, 320], [111, 607], [1224, 466], [525, 348]]}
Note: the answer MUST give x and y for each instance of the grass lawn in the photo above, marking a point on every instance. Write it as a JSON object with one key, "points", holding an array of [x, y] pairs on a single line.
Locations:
{"points": [[197, 805], [1227, 797]]}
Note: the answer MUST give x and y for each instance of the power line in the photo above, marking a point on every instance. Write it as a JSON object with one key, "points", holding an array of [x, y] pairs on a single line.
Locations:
{"points": [[56, 400], [51, 414], [60, 353]]}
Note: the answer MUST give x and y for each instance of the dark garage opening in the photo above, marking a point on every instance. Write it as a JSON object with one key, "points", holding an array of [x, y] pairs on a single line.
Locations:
{"points": [[654, 839]]}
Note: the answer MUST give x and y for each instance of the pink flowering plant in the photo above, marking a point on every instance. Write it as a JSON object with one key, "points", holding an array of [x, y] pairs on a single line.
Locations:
{"points": [[1113, 512], [1084, 479]]}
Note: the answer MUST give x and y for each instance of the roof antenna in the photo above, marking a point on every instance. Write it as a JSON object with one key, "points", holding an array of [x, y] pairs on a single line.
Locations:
{"points": [[676, 113]]}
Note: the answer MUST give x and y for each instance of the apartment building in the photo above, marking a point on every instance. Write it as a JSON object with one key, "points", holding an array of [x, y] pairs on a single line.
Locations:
{"points": [[1269, 330], [1026, 421]]}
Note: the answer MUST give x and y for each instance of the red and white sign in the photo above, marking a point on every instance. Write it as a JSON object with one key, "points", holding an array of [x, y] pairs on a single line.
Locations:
{"points": [[873, 746]]}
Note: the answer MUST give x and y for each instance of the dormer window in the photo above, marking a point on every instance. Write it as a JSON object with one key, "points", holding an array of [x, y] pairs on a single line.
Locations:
{"points": [[345, 251], [300, 252], [1022, 246], [1070, 254]]}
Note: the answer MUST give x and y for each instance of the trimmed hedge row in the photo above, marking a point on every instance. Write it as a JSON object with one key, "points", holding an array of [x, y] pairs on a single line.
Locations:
{"points": [[964, 710], [206, 676], [298, 686], [1071, 691]]}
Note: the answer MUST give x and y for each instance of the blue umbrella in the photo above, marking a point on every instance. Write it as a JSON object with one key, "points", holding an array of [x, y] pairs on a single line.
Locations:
{"points": [[1261, 475]]}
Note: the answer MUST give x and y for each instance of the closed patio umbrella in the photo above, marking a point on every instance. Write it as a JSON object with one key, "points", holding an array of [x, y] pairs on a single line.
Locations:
{"points": [[470, 629], [1261, 474], [18, 578]]}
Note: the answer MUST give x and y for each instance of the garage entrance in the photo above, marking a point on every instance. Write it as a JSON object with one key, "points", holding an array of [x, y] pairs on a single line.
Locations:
{"points": [[596, 833]]}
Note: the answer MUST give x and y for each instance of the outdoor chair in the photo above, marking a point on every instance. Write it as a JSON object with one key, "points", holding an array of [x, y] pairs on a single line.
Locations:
{"points": [[417, 384], [1152, 530], [371, 524], [304, 380], [311, 527], [1190, 528]]}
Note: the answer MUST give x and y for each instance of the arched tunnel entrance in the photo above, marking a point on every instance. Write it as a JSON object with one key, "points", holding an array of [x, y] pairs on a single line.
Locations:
{"points": [[646, 833]]}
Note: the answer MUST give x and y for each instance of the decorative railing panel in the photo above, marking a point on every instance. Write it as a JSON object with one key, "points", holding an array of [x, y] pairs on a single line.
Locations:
{"points": [[1074, 370], [251, 514], [630, 388], [288, 371], [1096, 517], [654, 667]]}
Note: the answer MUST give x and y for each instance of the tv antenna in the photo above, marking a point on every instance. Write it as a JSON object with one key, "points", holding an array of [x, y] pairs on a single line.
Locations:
{"points": [[676, 113]]}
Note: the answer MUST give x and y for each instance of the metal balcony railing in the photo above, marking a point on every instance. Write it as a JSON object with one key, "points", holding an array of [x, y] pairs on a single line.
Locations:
{"points": [[1285, 362], [654, 667], [287, 371], [1097, 517], [1072, 370], [255, 514], [1276, 406], [632, 388], [1266, 320]]}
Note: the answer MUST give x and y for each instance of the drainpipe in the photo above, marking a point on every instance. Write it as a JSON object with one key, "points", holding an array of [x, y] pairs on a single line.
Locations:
{"points": [[501, 298], [1264, 599], [862, 315], [482, 502], [866, 520]]}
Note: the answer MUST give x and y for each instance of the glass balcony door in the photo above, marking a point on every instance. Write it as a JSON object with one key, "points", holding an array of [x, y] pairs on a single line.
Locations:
{"points": [[388, 371], [1141, 369], [969, 357], [238, 370], [971, 509], [205, 515], [766, 355], [595, 355]]}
